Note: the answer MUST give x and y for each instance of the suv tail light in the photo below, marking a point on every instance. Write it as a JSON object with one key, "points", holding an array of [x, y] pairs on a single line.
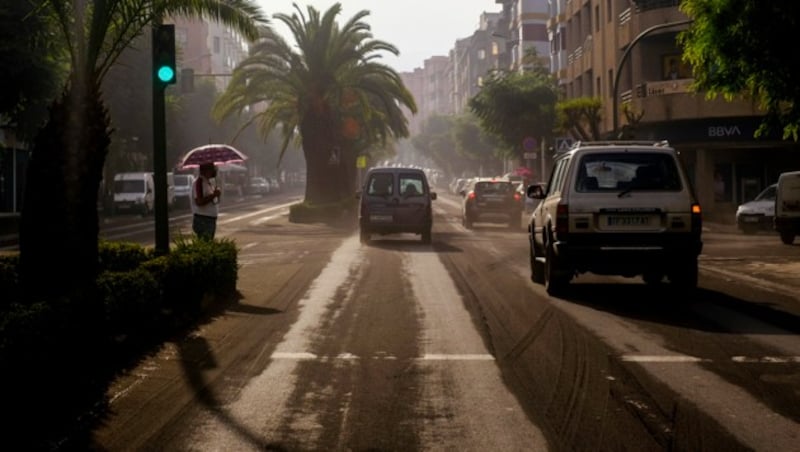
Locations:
{"points": [[471, 195], [517, 197], [562, 221], [697, 218]]}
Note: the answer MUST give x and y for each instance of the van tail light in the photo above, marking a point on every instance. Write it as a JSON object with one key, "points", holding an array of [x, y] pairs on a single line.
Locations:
{"points": [[471, 195], [562, 221], [517, 197], [697, 218]]}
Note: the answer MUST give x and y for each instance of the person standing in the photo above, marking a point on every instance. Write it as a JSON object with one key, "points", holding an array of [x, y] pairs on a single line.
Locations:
{"points": [[205, 201]]}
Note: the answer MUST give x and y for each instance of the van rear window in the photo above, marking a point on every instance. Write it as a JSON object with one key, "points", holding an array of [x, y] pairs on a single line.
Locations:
{"points": [[381, 184], [129, 186]]}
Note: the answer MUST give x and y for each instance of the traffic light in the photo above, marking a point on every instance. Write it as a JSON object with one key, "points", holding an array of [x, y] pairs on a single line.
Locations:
{"points": [[164, 54]]}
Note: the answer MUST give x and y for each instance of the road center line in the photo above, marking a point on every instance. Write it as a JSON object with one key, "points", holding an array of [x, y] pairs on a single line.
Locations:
{"points": [[305, 356]]}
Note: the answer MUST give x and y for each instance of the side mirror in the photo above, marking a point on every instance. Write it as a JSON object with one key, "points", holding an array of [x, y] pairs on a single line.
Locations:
{"points": [[433, 196], [535, 191]]}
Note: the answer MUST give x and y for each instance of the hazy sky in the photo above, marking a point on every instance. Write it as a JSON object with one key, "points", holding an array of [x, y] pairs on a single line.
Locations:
{"points": [[418, 28]]}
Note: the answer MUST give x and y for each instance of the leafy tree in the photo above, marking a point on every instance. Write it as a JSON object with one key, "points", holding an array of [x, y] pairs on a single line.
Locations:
{"points": [[514, 106], [580, 117], [31, 75], [473, 143], [59, 226], [329, 94], [734, 47]]}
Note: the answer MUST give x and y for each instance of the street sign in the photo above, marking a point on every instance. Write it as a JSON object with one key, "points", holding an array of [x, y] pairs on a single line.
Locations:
{"points": [[530, 155], [361, 161], [529, 144], [563, 144]]}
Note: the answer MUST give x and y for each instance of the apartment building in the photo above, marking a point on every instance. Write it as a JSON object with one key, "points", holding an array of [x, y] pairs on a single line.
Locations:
{"points": [[523, 25], [625, 53], [211, 49]]}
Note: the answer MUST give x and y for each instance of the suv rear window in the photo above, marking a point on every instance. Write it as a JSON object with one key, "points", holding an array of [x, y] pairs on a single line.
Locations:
{"points": [[629, 170]]}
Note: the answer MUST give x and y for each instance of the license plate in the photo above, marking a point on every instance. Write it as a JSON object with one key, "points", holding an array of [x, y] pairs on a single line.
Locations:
{"points": [[750, 219], [380, 218], [628, 220]]}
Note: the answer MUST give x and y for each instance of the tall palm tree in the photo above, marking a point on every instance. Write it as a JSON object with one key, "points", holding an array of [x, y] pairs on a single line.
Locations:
{"points": [[59, 226], [330, 94]]}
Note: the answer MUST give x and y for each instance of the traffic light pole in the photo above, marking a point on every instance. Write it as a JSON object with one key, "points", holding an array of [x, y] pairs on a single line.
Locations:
{"points": [[160, 157]]}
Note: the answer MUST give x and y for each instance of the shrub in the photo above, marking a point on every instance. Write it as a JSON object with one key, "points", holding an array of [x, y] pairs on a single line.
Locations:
{"points": [[132, 300], [121, 256], [9, 280]]}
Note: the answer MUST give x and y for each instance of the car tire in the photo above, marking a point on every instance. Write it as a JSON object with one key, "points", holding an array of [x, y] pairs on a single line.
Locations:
{"points": [[555, 278], [537, 267], [426, 236], [685, 275], [652, 278], [365, 235], [467, 222], [787, 237]]}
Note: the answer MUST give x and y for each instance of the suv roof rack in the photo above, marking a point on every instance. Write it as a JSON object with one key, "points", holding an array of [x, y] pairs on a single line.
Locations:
{"points": [[661, 144]]}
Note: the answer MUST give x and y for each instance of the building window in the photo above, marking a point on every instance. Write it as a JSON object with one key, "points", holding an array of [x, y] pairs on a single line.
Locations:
{"points": [[597, 18], [481, 54], [609, 16], [216, 44], [610, 82], [597, 87]]}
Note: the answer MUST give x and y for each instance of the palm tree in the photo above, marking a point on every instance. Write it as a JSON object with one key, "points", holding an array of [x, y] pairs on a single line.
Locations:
{"points": [[330, 95], [59, 225]]}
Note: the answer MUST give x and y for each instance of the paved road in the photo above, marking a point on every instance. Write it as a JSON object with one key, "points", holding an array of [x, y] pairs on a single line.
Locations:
{"points": [[400, 346]]}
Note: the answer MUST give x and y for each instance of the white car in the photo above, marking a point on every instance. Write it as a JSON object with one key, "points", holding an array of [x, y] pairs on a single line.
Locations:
{"points": [[615, 208], [759, 213]]}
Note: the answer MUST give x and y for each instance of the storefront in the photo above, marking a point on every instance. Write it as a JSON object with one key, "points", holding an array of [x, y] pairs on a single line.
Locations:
{"points": [[728, 163]]}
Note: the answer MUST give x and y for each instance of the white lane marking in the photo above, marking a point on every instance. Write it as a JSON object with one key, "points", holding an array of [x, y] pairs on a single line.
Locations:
{"points": [[661, 359], [256, 213], [766, 359], [276, 384], [249, 245], [305, 356], [263, 220], [464, 380]]}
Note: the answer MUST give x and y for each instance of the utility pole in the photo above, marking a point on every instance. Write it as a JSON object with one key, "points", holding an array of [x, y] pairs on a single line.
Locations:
{"points": [[163, 75]]}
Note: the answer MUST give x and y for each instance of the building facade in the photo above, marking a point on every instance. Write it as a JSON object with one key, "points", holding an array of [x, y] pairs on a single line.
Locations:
{"points": [[625, 52], [523, 25]]}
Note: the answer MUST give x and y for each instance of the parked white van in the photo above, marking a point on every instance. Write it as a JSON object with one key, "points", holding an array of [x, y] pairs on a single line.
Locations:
{"points": [[134, 192], [787, 206]]}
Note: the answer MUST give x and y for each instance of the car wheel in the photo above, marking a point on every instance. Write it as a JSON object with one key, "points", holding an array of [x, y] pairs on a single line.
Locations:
{"points": [[555, 279], [426, 236], [787, 237], [537, 267], [684, 276], [653, 278], [365, 235], [467, 222]]}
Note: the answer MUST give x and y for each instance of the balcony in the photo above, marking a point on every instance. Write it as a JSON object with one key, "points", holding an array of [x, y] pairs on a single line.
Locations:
{"points": [[625, 34], [673, 100]]}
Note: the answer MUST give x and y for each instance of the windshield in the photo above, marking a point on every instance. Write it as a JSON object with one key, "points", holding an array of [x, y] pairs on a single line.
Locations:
{"points": [[182, 179], [768, 194]]}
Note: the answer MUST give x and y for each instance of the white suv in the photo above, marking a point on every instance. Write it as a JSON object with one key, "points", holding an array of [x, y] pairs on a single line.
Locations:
{"points": [[615, 208]]}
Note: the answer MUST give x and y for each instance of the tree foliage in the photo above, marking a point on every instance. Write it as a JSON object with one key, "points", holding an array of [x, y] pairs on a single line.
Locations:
{"points": [[740, 47], [514, 106], [32, 71], [580, 117], [328, 92]]}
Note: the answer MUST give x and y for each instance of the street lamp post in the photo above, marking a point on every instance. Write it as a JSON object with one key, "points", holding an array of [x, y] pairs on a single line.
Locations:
{"points": [[625, 55]]}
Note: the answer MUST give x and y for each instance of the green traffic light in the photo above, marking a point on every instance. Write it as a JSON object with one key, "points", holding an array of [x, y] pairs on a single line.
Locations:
{"points": [[166, 74]]}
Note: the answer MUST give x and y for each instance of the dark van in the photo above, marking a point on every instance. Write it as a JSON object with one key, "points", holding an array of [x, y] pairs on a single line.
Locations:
{"points": [[395, 200]]}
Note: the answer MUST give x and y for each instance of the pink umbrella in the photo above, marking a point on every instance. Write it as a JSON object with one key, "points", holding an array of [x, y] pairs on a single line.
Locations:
{"points": [[215, 153]]}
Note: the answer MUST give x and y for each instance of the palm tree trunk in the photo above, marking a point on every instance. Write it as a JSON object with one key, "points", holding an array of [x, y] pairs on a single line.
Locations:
{"points": [[59, 223]]}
